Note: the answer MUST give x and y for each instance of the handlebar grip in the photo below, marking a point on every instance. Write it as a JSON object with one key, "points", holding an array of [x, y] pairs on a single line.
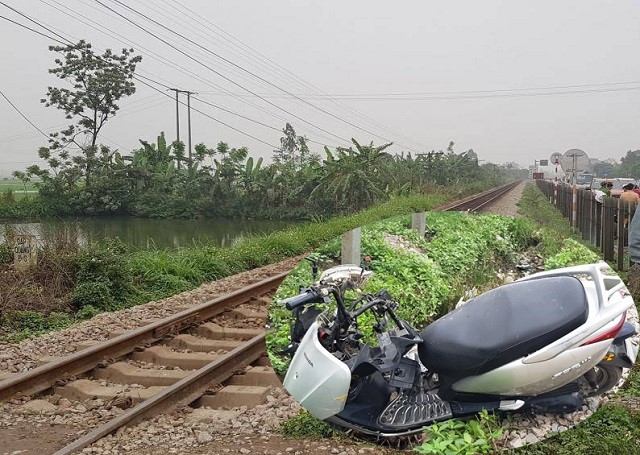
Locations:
{"points": [[308, 296]]}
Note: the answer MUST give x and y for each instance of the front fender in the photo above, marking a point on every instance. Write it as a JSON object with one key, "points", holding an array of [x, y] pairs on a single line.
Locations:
{"points": [[318, 380]]}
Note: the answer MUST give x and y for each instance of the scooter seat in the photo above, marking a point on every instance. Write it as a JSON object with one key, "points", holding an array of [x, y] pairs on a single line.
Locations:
{"points": [[502, 325]]}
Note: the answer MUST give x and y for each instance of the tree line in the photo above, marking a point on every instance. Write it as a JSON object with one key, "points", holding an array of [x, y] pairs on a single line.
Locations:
{"points": [[628, 166], [160, 180], [157, 180]]}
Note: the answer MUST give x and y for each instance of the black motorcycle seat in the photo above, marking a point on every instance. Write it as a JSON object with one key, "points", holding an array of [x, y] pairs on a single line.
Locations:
{"points": [[502, 325]]}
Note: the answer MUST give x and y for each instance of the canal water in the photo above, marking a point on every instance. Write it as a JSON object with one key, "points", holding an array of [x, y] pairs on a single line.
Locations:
{"points": [[144, 233]]}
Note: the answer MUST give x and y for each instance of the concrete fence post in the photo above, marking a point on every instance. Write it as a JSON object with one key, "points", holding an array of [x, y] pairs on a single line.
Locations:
{"points": [[351, 246], [419, 222], [574, 208]]}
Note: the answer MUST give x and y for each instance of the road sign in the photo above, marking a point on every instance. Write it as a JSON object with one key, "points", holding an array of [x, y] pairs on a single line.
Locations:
{"points": [[556, 157], [574, 161]]}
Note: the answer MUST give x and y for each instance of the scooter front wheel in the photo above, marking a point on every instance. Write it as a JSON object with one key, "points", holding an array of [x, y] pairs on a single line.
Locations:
{"points": [[601, 379]]}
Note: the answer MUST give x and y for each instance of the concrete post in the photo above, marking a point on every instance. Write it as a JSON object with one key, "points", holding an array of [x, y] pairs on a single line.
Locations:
{"points": [[351, 247], [419, 222], [25, 254]]}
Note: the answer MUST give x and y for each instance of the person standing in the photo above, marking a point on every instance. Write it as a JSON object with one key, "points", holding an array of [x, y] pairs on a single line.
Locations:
{"points": [[605, 187], [628, 195]]}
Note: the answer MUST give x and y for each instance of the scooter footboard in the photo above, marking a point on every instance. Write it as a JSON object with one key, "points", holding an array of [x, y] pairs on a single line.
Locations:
{"points": [[319, 381]]}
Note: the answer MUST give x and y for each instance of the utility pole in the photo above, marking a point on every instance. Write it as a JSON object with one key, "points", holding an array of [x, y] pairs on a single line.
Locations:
{"points": [[189, 123], [189, 93]]}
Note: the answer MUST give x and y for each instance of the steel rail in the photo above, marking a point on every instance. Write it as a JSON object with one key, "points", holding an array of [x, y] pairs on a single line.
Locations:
{"points": [[478, 201], [181, 393], [495, 196], [45, 376]]}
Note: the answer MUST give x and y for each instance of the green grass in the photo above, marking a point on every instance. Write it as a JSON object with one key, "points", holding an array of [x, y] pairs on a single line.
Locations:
{"points": [[613, 429], [305, 426], [12, 190], [16, 185]]}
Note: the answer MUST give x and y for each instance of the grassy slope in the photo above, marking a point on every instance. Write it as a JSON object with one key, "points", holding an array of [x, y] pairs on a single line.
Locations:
{"points": [[615, 427]]}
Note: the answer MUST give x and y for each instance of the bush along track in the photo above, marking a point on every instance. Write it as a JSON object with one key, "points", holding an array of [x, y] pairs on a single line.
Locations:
{"points": [[428, 276], [71, 284]]}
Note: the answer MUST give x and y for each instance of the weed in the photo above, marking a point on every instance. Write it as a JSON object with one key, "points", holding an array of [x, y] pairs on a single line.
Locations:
{"points": [[18, 325], [304, 425], [465, 438], [571, 253], [612, 429], [425, 277]]}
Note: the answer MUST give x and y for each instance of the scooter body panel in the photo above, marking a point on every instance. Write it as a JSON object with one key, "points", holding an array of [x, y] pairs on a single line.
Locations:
{"points": [[521, 379], [317, 379]]}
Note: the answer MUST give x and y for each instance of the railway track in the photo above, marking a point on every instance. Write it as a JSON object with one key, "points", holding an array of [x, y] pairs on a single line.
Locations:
{"points": [[176, 361], [478, 202], [165, 364]]}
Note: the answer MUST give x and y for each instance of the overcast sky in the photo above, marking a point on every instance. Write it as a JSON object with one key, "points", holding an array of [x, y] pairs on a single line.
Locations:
{"points": [[514, 80]]}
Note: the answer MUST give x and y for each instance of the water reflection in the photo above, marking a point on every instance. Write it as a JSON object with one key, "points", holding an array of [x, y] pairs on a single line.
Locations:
{"points": [[143, 232]]}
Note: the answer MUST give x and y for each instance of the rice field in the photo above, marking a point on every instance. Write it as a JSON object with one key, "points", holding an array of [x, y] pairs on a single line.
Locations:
{"points": [[19, 189]]}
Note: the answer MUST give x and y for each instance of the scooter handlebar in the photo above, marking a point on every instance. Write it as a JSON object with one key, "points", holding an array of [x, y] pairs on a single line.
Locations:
{"points": [[308, 296]]}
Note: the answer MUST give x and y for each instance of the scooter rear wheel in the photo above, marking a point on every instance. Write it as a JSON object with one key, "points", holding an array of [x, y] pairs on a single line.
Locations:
{"points": [[605, 378]]}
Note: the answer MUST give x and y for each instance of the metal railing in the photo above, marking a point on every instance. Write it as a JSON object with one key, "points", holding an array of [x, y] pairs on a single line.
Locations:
{"points": [[603, 224]]}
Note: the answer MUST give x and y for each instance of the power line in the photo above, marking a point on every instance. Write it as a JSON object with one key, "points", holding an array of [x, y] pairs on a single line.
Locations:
{"points": [[458, 92], [272, 64], [160, 91], [40, 24], [247, 71], [27, 135], [492, 95], [428, 95], [217, 106], [217, 72], [182, 69], [207, 115], [31, 20], [23, 116], [30, 29]]}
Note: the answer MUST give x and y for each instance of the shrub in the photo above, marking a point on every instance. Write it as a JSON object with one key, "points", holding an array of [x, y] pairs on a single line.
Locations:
{"points": [[104, 278], [96, 294], [87, 312]]}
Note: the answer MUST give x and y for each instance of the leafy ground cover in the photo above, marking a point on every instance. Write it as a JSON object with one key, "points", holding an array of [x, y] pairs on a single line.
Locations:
{"points": [[478, 246], [427, 276]]}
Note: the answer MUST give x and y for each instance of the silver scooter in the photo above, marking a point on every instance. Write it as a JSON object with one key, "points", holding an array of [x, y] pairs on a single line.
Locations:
{"points": [[540, 344]]}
